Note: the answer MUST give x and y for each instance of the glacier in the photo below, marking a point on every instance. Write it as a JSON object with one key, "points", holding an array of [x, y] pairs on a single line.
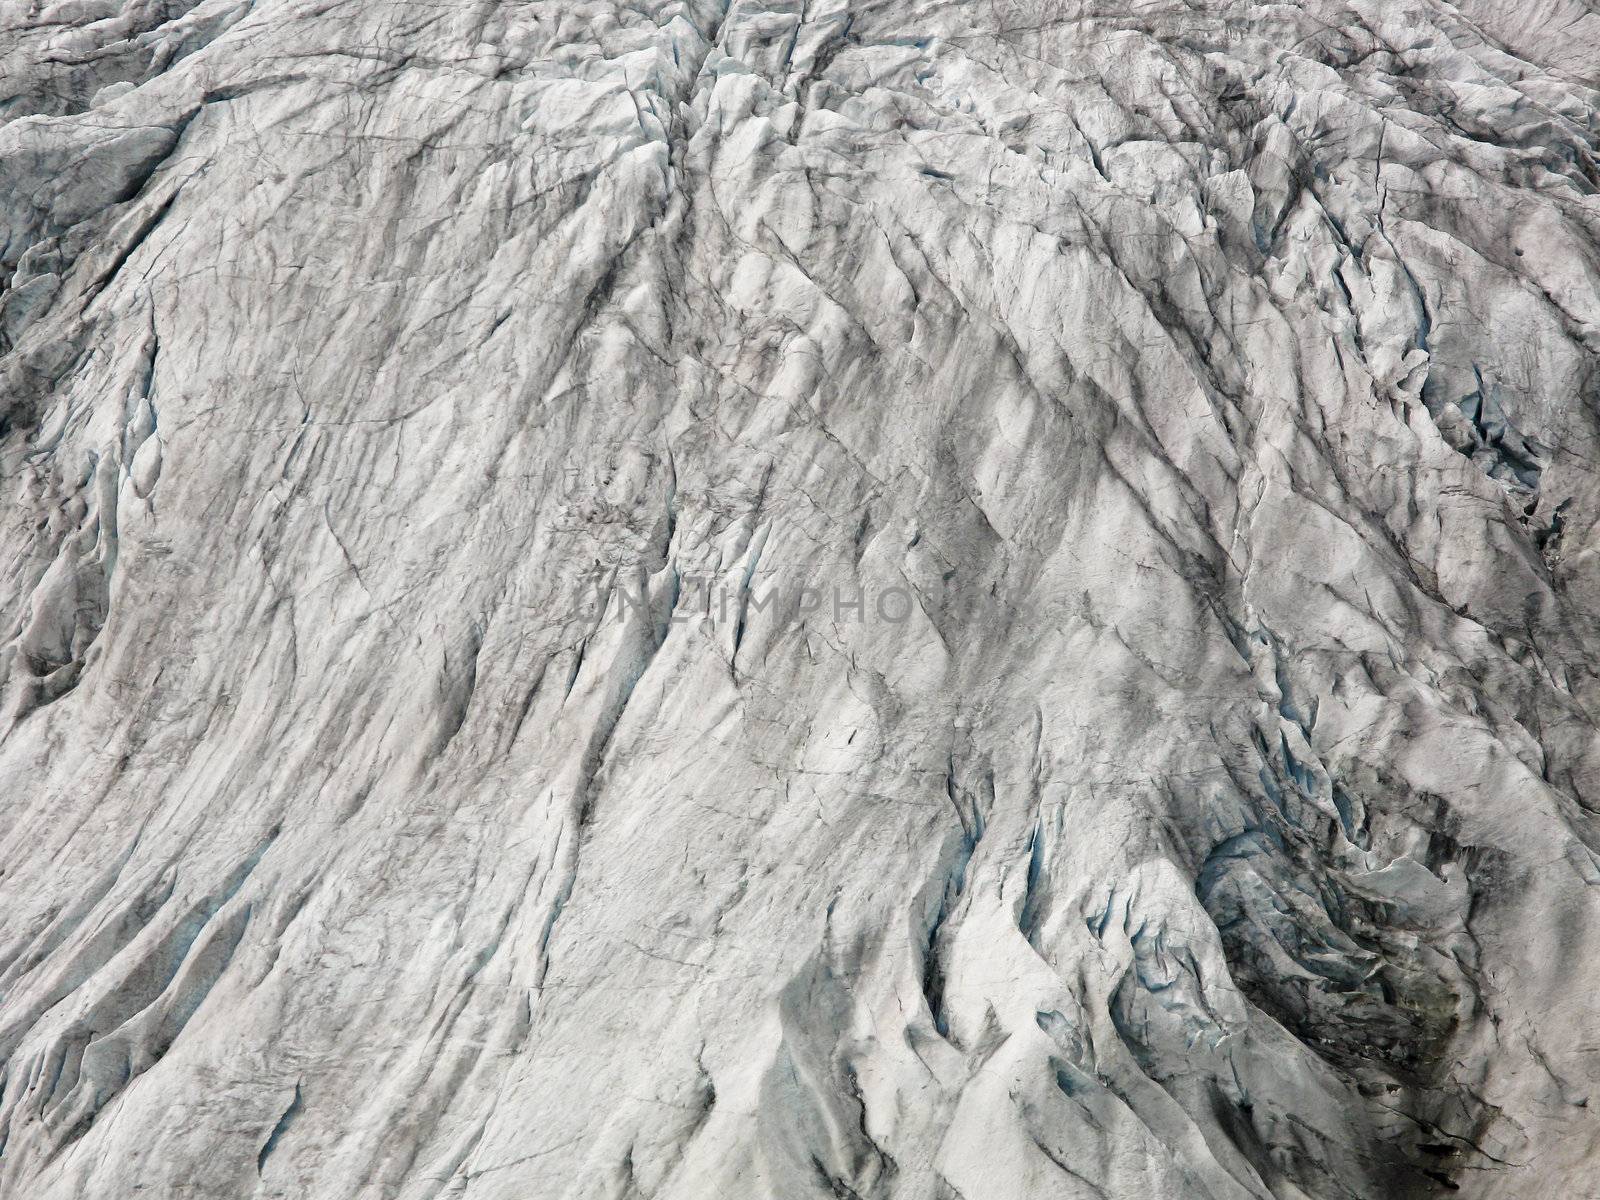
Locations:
{"points": [[799, 599]]}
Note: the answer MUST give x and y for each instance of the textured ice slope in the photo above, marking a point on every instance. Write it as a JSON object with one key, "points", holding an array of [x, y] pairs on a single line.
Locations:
{"points": [[443, 447]]}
